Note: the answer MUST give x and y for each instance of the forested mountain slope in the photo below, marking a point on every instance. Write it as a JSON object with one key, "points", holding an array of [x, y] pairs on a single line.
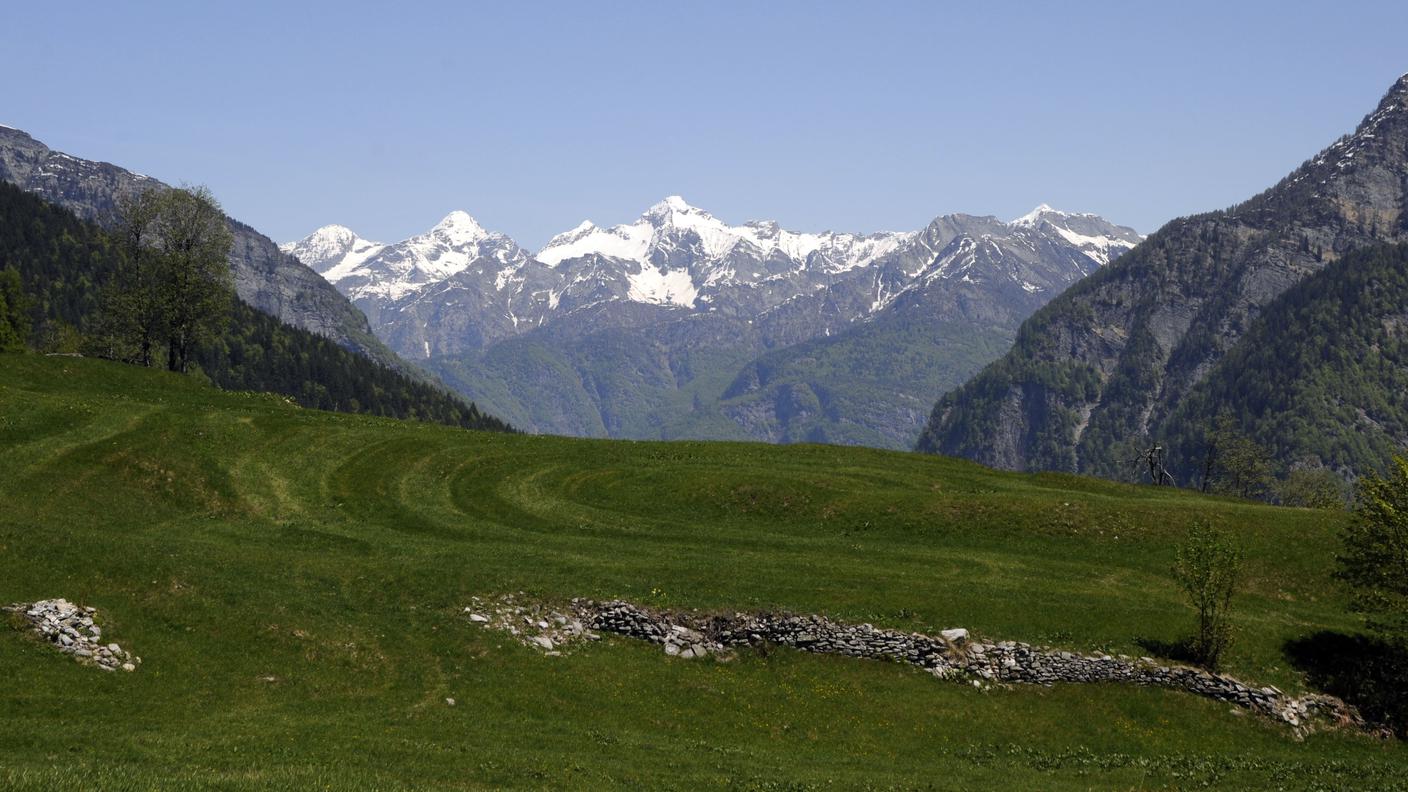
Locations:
{"points": [[264, 276], [64, 262], [1321, 377]]}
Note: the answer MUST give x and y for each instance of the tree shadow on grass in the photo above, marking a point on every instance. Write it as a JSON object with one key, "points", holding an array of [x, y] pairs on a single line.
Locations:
{"points": [[1370, 673], [1179, 651]]}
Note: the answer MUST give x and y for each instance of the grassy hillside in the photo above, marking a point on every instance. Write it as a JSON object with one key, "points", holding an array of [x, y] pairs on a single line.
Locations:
{"points": [[294, 580]]}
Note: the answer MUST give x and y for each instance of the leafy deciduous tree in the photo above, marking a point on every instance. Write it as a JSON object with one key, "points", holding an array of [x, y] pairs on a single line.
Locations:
{"points": [[194, 240], [1315, 488], [14, 311], [173, 286], [133, 320], [1233, 463], [1374, 561]]}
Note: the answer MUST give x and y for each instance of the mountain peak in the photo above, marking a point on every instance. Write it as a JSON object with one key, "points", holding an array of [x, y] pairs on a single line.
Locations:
{"points": [[561, 245], [1395, 99], [1035, 216], [333, 231], [671, 206], [322, 243], [329, 250], [1377, 140], [460, 227], [1393, 106], [675, 202]]}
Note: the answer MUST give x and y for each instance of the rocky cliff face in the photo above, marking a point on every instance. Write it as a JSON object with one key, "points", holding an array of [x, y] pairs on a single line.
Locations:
{"points": [[264, 277], [1095, 373]]}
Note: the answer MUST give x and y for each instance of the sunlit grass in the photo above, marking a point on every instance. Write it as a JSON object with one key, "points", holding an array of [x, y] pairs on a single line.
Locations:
{"points": [[293, 581]]}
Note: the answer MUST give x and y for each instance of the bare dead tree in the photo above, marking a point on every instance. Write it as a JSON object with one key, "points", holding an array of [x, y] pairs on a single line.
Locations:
{"points": [[1152, 460]]}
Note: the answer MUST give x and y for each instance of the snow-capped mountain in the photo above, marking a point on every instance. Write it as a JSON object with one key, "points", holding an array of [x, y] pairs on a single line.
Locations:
{"points": [[594, 332], [1045, 250], [459, 287], [1090, 233], [333, 251], [687, 257], [364, 269], [455, 287], [1001, 269]]}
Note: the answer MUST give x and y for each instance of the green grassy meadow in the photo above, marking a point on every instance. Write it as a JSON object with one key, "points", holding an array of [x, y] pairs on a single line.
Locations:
{"points": [[294, 581]]}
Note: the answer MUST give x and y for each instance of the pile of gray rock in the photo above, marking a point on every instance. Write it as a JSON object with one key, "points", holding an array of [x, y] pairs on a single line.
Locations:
{"points": [[951, 654], [530, 623], [72, 630]]}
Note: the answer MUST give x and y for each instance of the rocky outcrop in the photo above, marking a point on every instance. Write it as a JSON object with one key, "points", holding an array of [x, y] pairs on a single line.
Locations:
{"points": [[73, 631], [950, 655]]}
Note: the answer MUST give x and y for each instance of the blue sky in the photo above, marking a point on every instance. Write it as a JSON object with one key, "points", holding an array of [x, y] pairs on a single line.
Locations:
{"points": [[534, 116]]}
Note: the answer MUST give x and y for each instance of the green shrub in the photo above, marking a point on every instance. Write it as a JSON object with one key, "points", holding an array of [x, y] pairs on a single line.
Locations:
{"points": [[1209, 568]]}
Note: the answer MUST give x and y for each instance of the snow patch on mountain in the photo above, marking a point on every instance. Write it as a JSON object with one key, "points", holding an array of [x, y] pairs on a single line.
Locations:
{"points": [[1030, 219], [629, 242], [1102, 248], [333, 251], [458, 228], [660, 286], [674, 221]]}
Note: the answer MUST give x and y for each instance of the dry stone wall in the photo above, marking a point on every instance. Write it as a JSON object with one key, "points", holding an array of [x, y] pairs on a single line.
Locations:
{"points": [[951, 654]]}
